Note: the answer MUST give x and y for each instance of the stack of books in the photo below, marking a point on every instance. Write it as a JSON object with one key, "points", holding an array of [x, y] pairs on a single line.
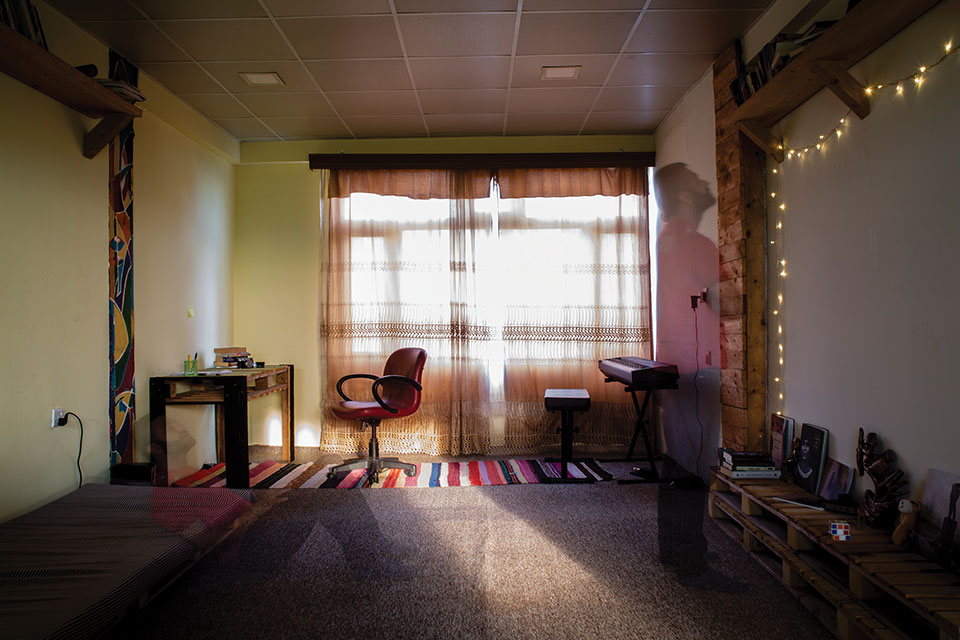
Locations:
{"points": [[747, 464], [233, 357]]}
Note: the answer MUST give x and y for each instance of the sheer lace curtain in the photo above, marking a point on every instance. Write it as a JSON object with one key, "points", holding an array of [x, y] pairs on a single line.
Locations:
{"points": [[513, 281]]}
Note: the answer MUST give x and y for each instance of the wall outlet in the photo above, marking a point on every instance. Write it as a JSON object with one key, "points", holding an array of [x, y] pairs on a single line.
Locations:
{"points": [[57, 414]]}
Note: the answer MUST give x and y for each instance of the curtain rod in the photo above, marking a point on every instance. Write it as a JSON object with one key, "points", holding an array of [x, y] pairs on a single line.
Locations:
{"points": [[481, 160]]}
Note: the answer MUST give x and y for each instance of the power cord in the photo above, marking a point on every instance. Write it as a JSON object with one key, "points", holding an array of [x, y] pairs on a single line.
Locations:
{"points": [[61, 421], [696, 391]]}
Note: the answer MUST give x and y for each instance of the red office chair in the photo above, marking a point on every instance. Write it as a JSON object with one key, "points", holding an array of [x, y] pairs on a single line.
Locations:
{"points": [[396, 394]]}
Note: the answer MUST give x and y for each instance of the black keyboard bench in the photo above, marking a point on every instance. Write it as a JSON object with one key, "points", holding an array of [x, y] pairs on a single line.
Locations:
{"points": [[566, 401]]}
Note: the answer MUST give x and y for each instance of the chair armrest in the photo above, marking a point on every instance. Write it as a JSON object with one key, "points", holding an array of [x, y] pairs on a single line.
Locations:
{"points": [[368, 376], [392, 378]]}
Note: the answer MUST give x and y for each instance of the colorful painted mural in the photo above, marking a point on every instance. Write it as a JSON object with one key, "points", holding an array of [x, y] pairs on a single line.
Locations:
{"points": [[122, 393]]}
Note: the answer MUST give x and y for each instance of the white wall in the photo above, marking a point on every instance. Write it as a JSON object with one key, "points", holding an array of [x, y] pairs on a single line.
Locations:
{"points": [[54, 278], [53, 299], [183, 257], [688, 435], [870, 237]]}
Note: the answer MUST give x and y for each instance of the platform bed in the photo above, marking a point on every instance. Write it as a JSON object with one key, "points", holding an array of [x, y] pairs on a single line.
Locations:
{"points": [[75, 566]]}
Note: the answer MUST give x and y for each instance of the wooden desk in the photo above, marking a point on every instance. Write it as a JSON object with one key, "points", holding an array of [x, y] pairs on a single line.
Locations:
{"points": [[229, 392]]}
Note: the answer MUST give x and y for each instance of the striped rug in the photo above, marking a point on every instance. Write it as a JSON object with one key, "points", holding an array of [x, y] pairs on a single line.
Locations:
{"points": [[281, 475]]}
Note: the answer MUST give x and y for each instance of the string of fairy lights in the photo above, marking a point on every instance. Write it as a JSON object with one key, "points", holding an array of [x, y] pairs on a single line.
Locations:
{"points": [[777, 246]]}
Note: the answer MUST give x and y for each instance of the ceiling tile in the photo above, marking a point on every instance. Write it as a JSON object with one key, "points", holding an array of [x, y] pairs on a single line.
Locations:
{"points": [[668, 68], [246, 128], [138, 41], [308, 127], [355, 75], [268, 105], [551, 100], [343, 37], [543, 123], [181, 77], [475, 34], [445, 6], [663, 31], [464, 101], [482, 124], [303, 8], [581, 5], [550, 33], [248, 39], [650, 98], [624, 121], [709, 4], [293, 76], [216, 105], [526, 70], [460, 73], [387, 127], [179, 9], [80, 10], [375, 103]]}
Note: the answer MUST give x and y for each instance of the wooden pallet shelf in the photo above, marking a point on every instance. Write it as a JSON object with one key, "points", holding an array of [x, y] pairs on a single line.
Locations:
{"points": [[875, 588], [22, 59], [824, 64]]}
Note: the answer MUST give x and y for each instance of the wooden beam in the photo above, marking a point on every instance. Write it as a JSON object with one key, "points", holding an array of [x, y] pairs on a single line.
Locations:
{"points": [[480, 160], [762, 137], [843, 85], [105, 131]]}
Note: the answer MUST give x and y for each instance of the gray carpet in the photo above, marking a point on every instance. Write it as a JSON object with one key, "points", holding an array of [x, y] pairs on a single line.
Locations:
{"points": [[528, 561]]}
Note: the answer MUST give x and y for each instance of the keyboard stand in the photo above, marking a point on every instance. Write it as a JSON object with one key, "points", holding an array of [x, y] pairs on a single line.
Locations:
{"points": [[644, 476]]}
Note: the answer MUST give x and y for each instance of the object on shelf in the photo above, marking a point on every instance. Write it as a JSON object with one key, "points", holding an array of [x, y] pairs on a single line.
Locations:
{"points": [[909, 511], [237, 357], [123, 89], [781, 428], [836, 479], [811, 454], [22, 17], [880, 504], [89, 70], [840, 530]]}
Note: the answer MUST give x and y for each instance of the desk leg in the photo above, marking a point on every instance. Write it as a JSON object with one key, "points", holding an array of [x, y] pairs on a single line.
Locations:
{"points": [[235, 432], [286, 411], [158, 430], [220, 431]]}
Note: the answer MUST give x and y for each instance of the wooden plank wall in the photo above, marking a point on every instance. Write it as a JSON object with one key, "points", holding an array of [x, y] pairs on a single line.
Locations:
{"points": [[743, 290]]}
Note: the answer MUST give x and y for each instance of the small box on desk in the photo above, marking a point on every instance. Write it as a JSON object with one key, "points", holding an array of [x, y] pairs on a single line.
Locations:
{"points": [[136, 473]]}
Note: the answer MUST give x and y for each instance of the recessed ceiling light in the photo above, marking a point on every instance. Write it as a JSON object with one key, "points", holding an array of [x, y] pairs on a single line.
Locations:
{"points": [[261, 78], [560, 73]]}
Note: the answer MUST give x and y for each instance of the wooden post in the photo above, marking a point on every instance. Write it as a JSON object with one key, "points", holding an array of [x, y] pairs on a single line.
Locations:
{"points": [[742, 239]]}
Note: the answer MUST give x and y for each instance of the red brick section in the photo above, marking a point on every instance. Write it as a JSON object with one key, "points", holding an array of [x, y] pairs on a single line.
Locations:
{"points": [[742, 238]]}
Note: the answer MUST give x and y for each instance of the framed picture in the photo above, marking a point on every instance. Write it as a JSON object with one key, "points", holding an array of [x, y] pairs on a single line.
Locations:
{"points": [[837, 478], [781, 431], [810, 457]]}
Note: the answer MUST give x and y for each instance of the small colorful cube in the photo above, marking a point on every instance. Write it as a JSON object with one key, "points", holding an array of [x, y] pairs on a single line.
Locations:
{"points": [[840, 530]]}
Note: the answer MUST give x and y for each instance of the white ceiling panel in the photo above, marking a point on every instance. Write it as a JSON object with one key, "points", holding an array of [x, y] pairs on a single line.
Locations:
{"points": [[412, 68]]}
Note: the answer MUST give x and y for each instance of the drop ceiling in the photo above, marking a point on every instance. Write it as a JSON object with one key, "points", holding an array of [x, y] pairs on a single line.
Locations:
{"points": [[421, 68]]}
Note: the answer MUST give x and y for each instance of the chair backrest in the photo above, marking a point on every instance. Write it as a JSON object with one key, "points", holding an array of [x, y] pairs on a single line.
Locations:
{"points": [[407, 362]]}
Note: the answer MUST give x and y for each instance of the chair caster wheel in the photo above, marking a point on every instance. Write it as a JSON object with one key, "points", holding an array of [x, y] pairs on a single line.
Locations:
{"points": [[410, 472]]}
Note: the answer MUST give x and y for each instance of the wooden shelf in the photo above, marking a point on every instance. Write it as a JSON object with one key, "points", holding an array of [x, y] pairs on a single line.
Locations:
{"points": [[22, 59], [823, 65], [876, 588]]}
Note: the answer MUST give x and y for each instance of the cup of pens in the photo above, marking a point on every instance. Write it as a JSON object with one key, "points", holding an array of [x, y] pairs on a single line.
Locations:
{"points": [[190, 366]]}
